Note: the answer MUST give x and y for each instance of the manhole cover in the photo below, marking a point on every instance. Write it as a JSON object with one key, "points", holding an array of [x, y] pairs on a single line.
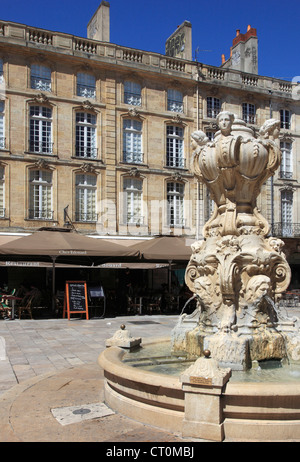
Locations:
{"points": [[76, 414], [81, 411]]}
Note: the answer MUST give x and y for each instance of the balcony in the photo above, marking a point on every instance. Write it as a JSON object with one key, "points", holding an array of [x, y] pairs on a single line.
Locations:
{"points": [[41, 147], [133, 157], [175, 162], [285, 175], [286, 230], [2, 142], [87, 152], [88, 217], [40, 214]]}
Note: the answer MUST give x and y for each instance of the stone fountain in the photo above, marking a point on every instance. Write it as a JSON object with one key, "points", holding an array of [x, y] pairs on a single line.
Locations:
{"points": [[238, 274]]}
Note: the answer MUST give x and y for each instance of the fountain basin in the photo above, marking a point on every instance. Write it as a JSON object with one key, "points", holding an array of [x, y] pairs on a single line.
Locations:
{"points": [[250, 411]]}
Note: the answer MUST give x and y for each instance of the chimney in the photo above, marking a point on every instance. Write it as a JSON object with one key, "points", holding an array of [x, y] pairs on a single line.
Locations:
{"points": [[223, 59], [99, 26], [244, 51]]}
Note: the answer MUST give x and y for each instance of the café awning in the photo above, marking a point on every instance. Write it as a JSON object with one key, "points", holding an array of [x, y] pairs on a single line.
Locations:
{"points": [[65, 246], [165, 248]]}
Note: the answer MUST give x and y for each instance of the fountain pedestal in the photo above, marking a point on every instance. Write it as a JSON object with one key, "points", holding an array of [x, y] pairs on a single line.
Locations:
{"points": [[203, 385]]}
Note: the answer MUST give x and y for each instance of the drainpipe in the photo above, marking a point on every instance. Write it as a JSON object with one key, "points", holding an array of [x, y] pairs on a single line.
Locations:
{"points": [[198, 186], [272, 177]]}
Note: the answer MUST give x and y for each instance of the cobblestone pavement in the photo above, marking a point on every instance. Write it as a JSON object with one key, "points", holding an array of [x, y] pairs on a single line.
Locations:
{"points": [[52, 364], [36, 347]]}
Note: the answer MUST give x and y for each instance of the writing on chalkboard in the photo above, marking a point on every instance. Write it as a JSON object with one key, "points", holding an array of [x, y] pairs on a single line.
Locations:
{"points": [[76, 298]]}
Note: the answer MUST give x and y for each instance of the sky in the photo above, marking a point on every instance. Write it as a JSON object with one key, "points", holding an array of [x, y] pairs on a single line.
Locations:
{"points": [[146, 25]]}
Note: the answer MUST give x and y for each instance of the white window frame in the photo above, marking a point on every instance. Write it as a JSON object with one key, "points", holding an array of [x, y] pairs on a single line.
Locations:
{"points": [[132, 141], [1, 71], [249, 113], [175, 146], [40, 194], [86, 85], [213, 107], [132, 93], [86, 135], [40, 130], [286, 200], [2, 124], [133, 201], [175, 101], [175, 204], [286, 166], [285, 118], [85, 197], [2, 192], [40, 78]]}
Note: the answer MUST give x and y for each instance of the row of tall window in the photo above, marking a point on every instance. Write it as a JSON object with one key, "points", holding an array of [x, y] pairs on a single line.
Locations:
{"points": [[40, 198], [214, 107], [40, 139], [86, 87]]}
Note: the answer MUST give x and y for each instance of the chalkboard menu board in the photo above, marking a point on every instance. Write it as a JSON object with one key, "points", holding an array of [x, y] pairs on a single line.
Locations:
{"points": [[76, 298]]}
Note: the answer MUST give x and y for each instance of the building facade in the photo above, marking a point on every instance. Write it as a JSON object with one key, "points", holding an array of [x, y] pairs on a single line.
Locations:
{"points": [[97, 136]]}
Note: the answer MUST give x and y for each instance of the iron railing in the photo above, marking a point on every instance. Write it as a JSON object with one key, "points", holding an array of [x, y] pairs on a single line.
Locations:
{"points": [[285, 229]]}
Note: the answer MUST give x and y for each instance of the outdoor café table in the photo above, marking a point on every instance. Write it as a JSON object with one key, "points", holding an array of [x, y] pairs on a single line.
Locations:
{"points": [[13, 302]]}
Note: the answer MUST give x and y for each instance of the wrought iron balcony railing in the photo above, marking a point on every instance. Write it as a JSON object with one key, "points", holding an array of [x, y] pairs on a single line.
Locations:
{"points": [[175, 162], [286, 230], [87, 152], [86, 217], [40, 214], [133, 157], [41, 147]]}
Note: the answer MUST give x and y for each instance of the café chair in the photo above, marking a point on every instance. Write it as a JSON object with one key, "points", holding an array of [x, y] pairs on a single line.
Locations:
{"points": [[25, 307], [154, 305]]}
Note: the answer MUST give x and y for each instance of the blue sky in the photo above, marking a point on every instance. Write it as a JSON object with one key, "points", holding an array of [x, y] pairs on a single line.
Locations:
{"points": [[147, 24]]}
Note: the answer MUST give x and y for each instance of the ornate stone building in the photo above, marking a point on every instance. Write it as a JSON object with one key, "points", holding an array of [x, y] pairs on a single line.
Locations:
{"points": [[97, 136]]}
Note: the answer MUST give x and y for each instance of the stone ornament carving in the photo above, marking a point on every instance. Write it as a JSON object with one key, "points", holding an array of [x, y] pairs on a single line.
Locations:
{"points": [[237, 272]]}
